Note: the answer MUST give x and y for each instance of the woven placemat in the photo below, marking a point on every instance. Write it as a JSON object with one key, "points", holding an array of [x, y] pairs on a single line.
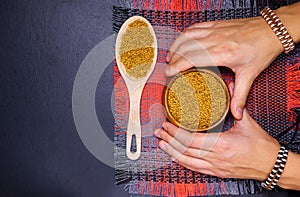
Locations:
{"points": [[271, 98]]}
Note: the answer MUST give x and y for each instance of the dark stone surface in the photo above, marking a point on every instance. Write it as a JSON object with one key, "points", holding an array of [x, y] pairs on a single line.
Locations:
{"points": [[42, 46]]}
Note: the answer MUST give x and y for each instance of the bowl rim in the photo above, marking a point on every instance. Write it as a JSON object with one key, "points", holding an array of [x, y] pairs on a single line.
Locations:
{"points": [[171, 81]]}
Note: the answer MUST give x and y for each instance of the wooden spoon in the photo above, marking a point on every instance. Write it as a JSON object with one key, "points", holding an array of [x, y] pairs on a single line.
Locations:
{"points": [[135, 88]]}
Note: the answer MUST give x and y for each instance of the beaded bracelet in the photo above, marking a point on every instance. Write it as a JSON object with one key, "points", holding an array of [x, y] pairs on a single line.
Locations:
{"points": [[280, 170], [279, 29], [277, 170]]}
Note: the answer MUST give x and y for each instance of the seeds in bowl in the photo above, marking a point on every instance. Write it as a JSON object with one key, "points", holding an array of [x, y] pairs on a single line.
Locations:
{"points": [[196, 100]]}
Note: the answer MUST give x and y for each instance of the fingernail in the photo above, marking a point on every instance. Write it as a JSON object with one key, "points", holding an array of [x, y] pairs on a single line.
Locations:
{"points": [[164, 126], [168, 57], [171, 71], [162, 145], [231, 89], [173, 159], [156, 133], [240, 112]]}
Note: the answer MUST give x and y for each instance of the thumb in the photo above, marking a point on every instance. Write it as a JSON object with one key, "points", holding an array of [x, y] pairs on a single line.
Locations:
{"points": [[243, 83], [231, 88]]}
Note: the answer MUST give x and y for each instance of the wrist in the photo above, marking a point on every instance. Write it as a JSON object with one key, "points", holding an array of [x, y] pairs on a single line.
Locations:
{"points": [[288, 179], [289, 16], [272, 41], [270, 158], [266, 157]]}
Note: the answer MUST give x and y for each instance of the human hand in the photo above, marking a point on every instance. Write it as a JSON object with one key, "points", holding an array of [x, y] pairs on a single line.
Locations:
{"points": [[244, 151], [247, 46]]}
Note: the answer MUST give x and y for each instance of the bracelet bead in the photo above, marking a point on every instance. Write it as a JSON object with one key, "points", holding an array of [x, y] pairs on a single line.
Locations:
{"points": [[277, 170], [279, 29]]}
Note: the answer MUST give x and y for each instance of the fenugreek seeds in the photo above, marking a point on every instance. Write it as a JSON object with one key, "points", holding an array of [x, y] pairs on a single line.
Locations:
{"points": [[196, 99], [136, 51]]}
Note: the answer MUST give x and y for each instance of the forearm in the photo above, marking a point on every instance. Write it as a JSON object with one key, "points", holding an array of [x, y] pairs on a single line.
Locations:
{"points": [[289, 15], [290, 178]]}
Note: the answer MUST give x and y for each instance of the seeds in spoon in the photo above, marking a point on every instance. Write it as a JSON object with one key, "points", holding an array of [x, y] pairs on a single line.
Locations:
{"points": [[136, 49]]}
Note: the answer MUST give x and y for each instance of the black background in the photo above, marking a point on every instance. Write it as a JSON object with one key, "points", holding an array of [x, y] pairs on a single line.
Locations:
{"points": [[43, 43]]}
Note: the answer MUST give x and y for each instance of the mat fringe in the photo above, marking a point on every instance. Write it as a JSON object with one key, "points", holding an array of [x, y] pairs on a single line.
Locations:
{"points": [[293, 85], [198, 5], [195, 189]]}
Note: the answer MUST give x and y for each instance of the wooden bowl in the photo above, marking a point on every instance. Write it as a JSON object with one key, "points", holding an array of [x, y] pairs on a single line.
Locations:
{"points": [[208, 77]]}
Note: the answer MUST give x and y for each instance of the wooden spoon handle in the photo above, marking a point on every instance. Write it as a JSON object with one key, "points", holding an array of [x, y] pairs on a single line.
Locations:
{"points": [[134, 124]]}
